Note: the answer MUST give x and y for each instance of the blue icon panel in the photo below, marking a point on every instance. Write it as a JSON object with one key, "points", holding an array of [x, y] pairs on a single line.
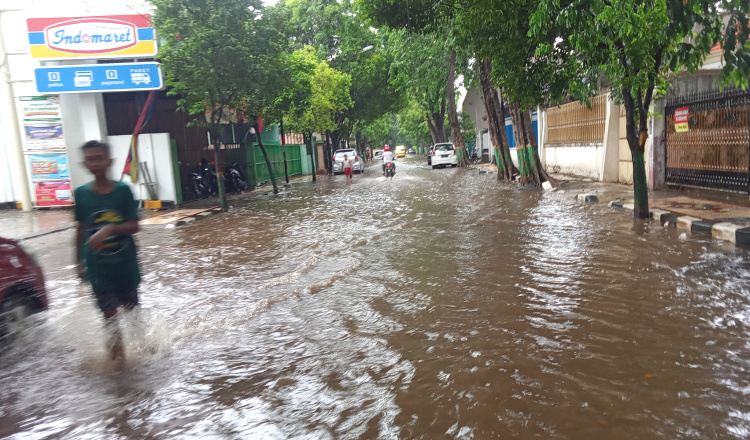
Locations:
{"points": [[99, 78]]}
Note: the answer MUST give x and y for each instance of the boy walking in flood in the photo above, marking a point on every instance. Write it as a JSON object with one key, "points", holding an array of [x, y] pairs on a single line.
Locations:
{"points": [[348, 167], [107, 217]]}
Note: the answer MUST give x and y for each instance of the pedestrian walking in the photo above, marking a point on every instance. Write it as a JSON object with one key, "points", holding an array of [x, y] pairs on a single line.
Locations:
{"points": [[348, 167], [107, 217]]}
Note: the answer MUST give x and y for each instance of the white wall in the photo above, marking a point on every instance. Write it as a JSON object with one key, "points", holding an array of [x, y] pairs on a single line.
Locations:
{"points": [[598, 161], [577, 160], [155, 150], [80, 127]]}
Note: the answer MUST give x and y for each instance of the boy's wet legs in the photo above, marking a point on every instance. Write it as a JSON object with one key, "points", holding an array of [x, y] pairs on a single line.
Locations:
{"points": [[114, 343]]}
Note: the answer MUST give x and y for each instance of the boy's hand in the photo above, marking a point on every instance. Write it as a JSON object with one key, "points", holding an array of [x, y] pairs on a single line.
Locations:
{"points": [[96, 242]]}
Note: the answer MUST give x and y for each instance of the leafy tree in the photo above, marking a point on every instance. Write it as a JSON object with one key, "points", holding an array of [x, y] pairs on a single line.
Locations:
{"points": [[499, 35], [412, 125], [420, 71], [437, 20], [328, 94], [636, 44], [215, 54], [338, 35]]}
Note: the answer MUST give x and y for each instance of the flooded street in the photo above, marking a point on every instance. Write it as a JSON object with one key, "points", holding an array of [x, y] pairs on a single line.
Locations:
{"points": [[439, 305]]}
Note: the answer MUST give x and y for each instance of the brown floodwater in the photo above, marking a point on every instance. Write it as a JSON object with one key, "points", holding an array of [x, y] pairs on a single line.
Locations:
{"points": [[439, 305]]}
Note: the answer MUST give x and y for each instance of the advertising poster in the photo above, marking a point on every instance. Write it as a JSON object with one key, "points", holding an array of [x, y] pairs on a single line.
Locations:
{"points": [[53, 193], [44, 137], [40, 109], [49, 166], [681, 118]]}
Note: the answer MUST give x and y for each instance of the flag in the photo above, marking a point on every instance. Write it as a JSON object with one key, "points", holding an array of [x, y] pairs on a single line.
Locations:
{"points": [[260, 121], [129, 169]]}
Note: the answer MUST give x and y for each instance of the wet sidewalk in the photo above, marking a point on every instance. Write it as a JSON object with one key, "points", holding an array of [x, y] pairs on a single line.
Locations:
{"points": [[19, 225], [720, 214]]}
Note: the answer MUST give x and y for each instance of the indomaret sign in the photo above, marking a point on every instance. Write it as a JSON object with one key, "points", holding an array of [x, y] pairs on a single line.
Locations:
{"points": [[117, 36]]}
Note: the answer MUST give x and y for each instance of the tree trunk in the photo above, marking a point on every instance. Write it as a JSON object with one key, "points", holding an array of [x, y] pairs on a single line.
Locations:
{"points": [[214, 131], [327, 153], [496, 120], [456, 136], [438, 119], [335, 140], [311, 149], [527, 159], [433, 131], [220, 177], [360, 147], [637, 144], [268, 161], [283, 149], [506, 152]]}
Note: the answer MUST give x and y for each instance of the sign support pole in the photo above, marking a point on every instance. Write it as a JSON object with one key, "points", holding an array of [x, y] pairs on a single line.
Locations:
{"points": [[8, 112]]}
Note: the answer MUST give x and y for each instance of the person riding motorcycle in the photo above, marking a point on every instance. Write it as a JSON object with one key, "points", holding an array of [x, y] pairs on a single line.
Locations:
{"points": [[388, 157]]}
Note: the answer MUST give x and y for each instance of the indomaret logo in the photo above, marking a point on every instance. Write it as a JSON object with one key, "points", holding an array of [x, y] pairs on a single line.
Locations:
{"points": [[91, 35]]}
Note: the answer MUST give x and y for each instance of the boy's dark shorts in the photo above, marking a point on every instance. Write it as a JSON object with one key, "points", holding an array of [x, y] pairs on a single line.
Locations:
{"points": [[112, 299]]}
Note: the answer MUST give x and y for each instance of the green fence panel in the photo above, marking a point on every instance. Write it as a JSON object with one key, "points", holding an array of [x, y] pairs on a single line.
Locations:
{"points": [[242, 154], [276, 157], [176, 171]]}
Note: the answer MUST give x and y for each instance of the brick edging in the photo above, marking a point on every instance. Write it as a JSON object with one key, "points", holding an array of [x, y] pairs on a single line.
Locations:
{"points": [[719, 230]]}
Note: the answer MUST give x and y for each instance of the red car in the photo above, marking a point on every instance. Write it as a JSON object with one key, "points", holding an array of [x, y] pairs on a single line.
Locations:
{"points": [[22, 291]]}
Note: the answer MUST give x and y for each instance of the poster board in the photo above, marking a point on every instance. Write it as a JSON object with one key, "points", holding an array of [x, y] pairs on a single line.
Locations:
{"points": [[44, 148]]}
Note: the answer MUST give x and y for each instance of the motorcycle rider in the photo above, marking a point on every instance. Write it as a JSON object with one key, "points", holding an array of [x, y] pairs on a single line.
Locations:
{"points": [[388, 157]]}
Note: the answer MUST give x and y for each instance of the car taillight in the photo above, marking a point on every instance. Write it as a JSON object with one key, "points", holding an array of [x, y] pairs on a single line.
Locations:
{"points": [[434, 152], [334, 159]]}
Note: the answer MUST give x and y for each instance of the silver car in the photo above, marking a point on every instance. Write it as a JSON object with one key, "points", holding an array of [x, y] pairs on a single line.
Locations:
{"points": [[358, 163]]}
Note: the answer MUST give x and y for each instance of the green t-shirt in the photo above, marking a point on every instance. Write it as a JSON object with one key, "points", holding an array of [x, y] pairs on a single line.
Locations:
{"points": [[116, 265]]}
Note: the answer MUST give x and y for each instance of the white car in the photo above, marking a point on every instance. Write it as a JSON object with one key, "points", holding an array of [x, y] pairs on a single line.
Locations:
{"points": [[443, 154], [358, 163]]}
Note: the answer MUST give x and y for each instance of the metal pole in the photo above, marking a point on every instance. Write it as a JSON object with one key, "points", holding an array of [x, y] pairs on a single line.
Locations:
{"points": [[12, 131], [283, 149]]}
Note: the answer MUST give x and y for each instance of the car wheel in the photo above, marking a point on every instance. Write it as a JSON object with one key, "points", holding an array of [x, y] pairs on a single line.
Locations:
{"points": [[16, 308], [454, 165], [434, 166]]}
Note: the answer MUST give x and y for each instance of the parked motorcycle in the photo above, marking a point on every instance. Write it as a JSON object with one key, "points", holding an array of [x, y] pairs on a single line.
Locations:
{"points": [[390, 170], [197, 184], [208, 173], [234, 181]]}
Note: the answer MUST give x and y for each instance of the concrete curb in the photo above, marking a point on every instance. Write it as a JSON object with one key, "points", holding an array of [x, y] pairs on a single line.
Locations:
{"points": [[737, 234], [193, 218]]}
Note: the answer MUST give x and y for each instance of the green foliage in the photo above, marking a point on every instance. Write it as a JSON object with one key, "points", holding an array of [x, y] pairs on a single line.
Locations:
{"points": [[412, 125], [217, 54], [500, 31], [337, 34], [635, 44], [468, 127], [384, 130], [324, 89]]}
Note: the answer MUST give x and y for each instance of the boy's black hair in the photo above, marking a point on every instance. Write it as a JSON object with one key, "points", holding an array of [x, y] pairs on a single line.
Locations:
{"points": [[95, 144]]}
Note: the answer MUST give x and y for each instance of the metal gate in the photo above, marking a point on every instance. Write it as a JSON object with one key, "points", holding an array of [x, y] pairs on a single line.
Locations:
{"points": [[715, 151]]}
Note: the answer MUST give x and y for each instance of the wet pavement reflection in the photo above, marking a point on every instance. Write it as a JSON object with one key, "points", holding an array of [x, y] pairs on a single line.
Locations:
{"points": [[439, 305]]}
